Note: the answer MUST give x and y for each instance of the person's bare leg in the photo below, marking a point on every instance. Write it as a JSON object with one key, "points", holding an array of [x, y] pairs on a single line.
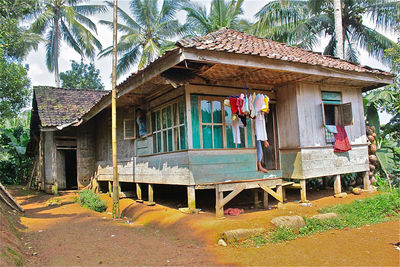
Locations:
{"points": [[260, 167]]}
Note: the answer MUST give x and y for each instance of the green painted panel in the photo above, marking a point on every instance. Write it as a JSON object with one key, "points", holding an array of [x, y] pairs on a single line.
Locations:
{"points": [[217, 113], [238, 176], [183, 137], [170, 147], [195, 121], [331, 96], [242, 137], [291, 165], [181, 112], [207, 136], [234, 159], [249, 133], [229, 137], [205, 111], [331, 102], [218, 137]]}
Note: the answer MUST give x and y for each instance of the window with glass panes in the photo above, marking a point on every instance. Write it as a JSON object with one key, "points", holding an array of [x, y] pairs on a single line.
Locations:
{"points": [[216, 125], [168, 125]]}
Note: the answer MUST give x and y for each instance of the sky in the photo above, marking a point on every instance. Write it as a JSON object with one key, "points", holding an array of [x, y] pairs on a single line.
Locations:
{"points": [[39, 74]]}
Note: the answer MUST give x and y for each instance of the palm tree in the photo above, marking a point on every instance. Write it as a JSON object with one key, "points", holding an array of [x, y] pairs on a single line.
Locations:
{"points": [[146, 34], [66, 19], [222, 14], [300, 22]]}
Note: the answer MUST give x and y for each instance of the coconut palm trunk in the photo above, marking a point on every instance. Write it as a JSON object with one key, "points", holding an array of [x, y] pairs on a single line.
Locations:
{"points": [[116, 211], [56, 44], [337, 4]]}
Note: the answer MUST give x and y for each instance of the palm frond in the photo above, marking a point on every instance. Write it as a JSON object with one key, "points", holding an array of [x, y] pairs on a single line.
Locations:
{"points": [[42, 21], [69, 38], [90, 10], [384, 13]]}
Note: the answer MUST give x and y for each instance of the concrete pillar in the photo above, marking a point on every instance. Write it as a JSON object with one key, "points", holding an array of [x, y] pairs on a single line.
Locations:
{"points": [[337, 185]]}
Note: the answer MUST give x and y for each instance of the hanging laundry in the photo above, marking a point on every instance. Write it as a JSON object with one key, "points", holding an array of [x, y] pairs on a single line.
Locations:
{"points": [[236, 131], [331, 128], [246, 109], [232, 101], [227, 103], [243, 119], [239, 103], [261, 131], [266, 102], [259, 103], [342, 143]]}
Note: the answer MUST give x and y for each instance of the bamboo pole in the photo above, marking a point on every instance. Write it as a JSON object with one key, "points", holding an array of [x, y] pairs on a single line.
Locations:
{"points": [[116, 211]]}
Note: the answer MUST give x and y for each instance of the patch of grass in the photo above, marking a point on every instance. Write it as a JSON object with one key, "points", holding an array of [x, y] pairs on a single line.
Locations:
{"points": [[379, 208], [282, 234], [18, 260], [91, 201]]}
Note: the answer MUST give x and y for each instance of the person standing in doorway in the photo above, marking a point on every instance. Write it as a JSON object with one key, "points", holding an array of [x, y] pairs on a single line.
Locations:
{"points": [[141, 122], [261, 106]]}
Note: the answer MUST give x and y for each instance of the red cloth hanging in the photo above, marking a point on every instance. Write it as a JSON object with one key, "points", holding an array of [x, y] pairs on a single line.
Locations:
{"points": [[342, 143], [234, 107]]}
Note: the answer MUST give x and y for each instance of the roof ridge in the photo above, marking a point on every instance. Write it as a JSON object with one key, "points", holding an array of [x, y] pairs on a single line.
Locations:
{"points": [[69, 89]]}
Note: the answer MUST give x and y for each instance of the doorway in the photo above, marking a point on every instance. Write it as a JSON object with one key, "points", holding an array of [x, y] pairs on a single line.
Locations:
{"points": [[271, 153], [71, 169]]}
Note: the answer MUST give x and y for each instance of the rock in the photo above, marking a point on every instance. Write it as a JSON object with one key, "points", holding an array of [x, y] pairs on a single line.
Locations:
{"points": [[325, 216], [221, 242], [341, 195], [240, 234], [371, 167], [372, 159], [294, 221]]}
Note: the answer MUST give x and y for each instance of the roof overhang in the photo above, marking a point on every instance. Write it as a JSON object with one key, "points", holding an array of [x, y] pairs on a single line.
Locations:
{"points": [[366, 81]]}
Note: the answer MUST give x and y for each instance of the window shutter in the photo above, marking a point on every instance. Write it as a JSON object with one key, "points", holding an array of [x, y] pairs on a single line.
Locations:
{"points": [[129, 129], [323, 114], [346, 114]]}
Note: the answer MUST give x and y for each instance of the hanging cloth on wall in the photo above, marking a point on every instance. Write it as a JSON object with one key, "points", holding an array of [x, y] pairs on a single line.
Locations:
{"points": [[236, 131], [261, 131], [266, 102], [342, 143]]}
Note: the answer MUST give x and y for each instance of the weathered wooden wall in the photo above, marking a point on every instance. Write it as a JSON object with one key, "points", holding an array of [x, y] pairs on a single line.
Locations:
{"points": [[303, 150], [103, 150], [86, 153], [287, 117], [310, 113]]}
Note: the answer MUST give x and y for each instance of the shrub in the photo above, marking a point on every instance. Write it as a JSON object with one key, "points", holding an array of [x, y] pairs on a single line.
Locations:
{"points": [[91, 201]]}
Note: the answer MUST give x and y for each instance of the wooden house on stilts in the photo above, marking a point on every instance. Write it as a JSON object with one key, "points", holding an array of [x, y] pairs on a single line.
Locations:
{"points": [[188, 139]]}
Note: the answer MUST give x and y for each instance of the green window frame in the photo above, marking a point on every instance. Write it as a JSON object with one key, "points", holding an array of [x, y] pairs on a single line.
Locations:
{"points": [[168, 127], [216, 126]]}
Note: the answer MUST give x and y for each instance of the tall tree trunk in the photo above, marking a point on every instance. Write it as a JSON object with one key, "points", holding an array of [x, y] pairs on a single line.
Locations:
{"points": [[116, 211], [56, 51], [337, 4]]}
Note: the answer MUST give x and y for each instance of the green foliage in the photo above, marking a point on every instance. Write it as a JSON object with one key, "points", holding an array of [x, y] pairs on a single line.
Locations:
{"points": [[14, 87], [14, 137], [82, 76], [372, 210], [301, 22], [91, 201], [67, 20], [222, 14], [145, 35], [16, 41]]}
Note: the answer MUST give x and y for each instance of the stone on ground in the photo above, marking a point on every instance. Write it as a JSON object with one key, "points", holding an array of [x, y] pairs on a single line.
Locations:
{"points": [[341, 195], [240, 234], [294, 221]]}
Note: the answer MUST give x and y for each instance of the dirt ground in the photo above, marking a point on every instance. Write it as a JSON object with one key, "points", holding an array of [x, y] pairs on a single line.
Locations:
{"points": [[71, 235]]}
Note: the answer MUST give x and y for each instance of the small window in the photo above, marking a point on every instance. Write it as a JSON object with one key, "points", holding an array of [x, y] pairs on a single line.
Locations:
{"points": [[334, 113], [129, 129]]}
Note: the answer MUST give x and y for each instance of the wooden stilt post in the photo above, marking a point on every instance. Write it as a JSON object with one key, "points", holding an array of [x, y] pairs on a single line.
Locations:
{"points": [[257, 202], [366, 181], [109, 188], [191, 195], [279, 191], [151, 199], [219, 208], [303, 191], [337, 185], [265, 202], [139, 193]]}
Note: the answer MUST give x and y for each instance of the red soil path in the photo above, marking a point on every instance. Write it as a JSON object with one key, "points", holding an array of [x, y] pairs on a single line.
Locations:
{"points": [[72, 235]]}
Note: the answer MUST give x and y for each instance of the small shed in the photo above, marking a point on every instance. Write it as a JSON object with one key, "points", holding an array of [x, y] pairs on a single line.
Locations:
{"points": [[189, 130]]}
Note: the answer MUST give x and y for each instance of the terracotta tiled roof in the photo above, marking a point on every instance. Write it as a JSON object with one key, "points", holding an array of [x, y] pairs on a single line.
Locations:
{"points": [[57, 106], [233, 41]]}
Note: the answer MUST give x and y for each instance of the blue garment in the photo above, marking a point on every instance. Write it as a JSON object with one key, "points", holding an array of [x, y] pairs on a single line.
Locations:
{"points": [[259, 150], [142, 126], [331, 128]]}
